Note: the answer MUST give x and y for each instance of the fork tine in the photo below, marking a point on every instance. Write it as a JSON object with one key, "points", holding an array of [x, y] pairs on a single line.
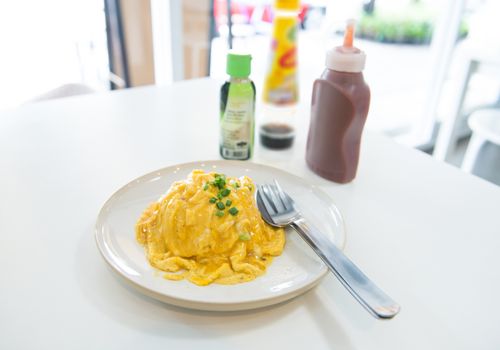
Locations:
{"points": [[270, 192], [269, 207], [282, 195], [289, 200]]}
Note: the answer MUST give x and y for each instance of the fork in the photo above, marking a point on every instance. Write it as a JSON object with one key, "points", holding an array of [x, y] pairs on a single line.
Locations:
{"points": [[278, 209]]}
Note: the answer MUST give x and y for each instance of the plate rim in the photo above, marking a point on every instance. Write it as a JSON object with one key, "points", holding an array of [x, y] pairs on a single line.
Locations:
{"points": [[208, 305]]}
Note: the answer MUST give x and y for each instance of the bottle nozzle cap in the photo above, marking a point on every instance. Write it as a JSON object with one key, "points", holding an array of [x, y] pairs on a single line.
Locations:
{"points": [[346, 58], [287, 5], [349, 33]]}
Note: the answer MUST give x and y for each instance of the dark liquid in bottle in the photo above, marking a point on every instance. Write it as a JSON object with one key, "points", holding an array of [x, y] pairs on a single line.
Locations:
{"points": [[276, 135], [237, 154]]}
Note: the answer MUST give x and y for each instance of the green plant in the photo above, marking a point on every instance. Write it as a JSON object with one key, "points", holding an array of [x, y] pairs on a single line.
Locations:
{"points": [[412, 24]]}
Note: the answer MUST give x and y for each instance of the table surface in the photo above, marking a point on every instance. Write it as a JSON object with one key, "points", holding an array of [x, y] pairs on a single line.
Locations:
{"points": [[424, 231]]}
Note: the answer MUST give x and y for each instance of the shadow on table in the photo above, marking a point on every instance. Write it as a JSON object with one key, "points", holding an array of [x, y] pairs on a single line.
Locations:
{"points": [[119, 301]]}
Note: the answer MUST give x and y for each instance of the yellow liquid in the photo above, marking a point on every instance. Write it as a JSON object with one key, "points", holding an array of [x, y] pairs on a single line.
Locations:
{"points": [[280, 86]]}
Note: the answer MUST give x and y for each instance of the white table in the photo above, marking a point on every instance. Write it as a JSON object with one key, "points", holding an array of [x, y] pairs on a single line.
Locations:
{"points": [[424, 231]]}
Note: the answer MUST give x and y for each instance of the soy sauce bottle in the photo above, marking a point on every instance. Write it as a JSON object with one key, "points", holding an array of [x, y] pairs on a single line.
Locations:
{"points": [[237, 109]]}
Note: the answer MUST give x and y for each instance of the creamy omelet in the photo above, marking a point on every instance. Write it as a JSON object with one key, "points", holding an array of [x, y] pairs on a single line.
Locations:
{"points": [[207, 229]]}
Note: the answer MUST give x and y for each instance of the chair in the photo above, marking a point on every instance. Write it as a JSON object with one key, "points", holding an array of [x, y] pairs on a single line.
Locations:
{"points": [[478, 53], [483, 152]]}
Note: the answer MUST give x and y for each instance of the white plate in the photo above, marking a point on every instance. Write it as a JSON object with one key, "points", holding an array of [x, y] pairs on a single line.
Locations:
{"points": [[297, 270]]}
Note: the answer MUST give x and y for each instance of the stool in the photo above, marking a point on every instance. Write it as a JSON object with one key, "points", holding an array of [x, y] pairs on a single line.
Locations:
{"points": [[485, 125]]}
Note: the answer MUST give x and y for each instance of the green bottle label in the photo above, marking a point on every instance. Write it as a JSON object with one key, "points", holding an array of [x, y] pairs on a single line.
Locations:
{"points": [[237, 121]]}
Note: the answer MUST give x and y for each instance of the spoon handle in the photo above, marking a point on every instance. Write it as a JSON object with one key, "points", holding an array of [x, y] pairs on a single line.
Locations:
{"points": [[371, 297]]}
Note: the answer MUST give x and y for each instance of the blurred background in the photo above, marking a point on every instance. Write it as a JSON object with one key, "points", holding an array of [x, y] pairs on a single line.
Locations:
{"points": [[433, 65]]}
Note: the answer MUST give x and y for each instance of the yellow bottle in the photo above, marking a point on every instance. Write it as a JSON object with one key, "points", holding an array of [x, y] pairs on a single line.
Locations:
{"points": [[281, 93]]}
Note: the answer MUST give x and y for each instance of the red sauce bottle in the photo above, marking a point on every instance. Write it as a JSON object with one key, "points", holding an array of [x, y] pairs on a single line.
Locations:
{"points": [[339, 108]]}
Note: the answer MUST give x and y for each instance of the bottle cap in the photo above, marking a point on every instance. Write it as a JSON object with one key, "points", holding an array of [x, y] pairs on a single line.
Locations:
{"points": [[346, 58], [287, 5], [238, 65]]}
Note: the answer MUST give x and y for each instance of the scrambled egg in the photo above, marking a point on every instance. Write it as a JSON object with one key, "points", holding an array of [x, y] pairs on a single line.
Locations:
{"points": [[208, 229]]}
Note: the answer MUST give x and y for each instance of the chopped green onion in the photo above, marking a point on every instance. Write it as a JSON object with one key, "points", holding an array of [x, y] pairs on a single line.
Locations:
{"points": [[219, 213], [205, 187], [213, 200], [219, 195], [220, 181], [225, 192], [233, 211], [221, 205], [245, 236], [228, 203], [250, 187]]}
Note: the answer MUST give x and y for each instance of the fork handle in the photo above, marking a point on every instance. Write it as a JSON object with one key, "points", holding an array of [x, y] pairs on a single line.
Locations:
{"points": [[371, 297]]}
